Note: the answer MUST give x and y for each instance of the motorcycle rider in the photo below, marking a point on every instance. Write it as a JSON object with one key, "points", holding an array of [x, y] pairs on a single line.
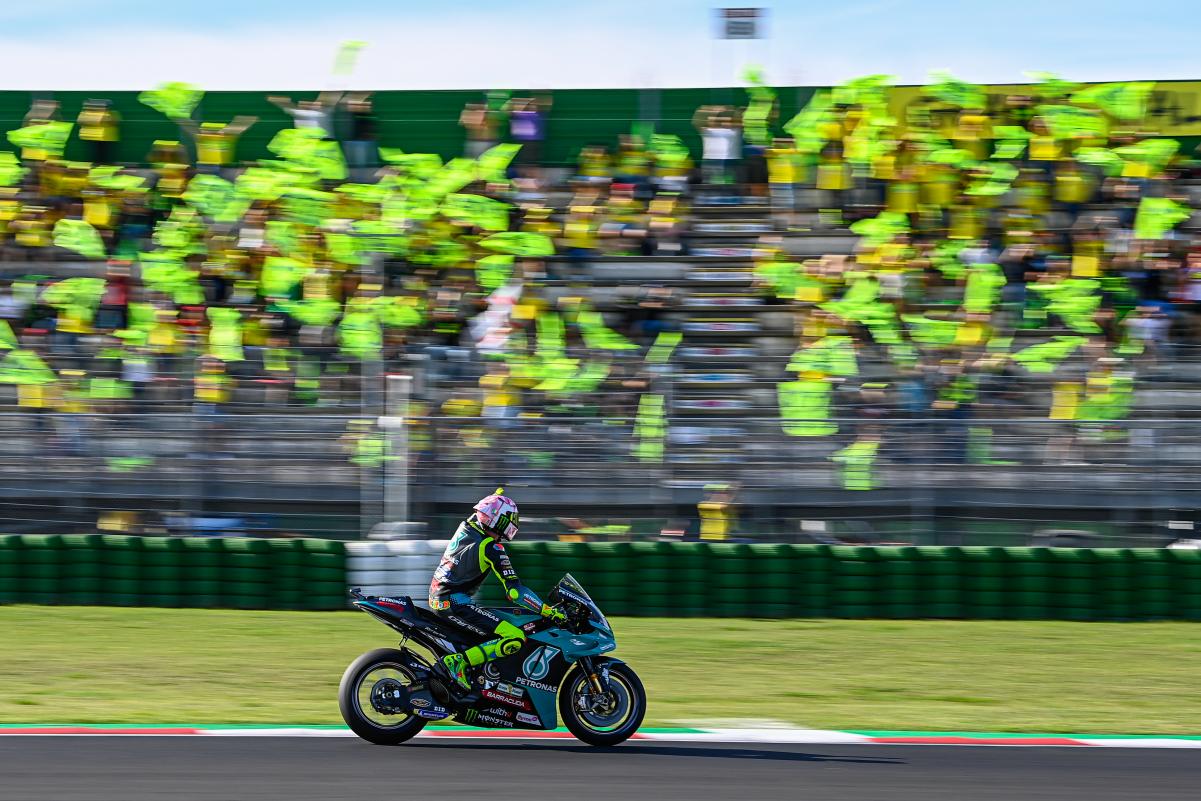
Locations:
{"points": [[476, 549]]}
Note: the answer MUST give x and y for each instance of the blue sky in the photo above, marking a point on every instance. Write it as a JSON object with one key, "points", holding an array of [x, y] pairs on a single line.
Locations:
{"points": [[260, 44]]}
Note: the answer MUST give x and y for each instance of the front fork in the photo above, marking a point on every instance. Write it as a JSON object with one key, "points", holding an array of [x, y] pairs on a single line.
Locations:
{"points": [[598, 675]]}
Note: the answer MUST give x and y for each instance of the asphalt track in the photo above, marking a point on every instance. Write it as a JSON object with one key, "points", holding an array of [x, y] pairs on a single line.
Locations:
{"points": [[298, 769]]}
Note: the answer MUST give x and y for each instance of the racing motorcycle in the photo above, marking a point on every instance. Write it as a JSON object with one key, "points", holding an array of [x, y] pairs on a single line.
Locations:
{"points": [[388, 695]]}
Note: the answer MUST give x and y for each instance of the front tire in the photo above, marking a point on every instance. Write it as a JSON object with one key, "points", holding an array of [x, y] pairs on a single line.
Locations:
{"points": [[608, 723], [358, 691]]}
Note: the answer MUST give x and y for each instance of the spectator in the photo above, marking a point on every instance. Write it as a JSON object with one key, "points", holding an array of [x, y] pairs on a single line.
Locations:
{"points": [[312, 114], [481, 124], [99, 126], [216, 142], [722, 143], [360, 145], [527, 127]]}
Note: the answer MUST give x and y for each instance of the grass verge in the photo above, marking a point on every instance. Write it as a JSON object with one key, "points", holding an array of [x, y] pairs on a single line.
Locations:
{"points": [[95, 664]]}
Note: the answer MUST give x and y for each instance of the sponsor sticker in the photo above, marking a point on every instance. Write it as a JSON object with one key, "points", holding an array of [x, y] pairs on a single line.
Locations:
{"points": [[537, 665], [418, 703], [430, 714], [537, 685], [511, 689], [533, 720], [504, 698], [495, 721]]}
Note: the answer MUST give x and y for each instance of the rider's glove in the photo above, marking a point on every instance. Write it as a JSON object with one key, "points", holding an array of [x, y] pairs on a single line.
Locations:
{"points": [[554, 613]]}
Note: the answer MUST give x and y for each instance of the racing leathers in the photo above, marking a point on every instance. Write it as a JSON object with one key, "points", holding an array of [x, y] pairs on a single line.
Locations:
{"points": [[471, 554]]}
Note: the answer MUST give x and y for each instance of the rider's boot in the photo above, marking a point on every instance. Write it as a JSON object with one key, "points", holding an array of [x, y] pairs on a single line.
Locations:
{"points": [[456, 665], [508, 643]]}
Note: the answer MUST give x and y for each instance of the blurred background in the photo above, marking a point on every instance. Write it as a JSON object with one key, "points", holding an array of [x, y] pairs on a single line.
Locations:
{"points": [[749, 296]]}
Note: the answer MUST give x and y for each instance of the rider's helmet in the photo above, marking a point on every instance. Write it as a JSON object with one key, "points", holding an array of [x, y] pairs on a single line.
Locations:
{"points": [[498, 515]]}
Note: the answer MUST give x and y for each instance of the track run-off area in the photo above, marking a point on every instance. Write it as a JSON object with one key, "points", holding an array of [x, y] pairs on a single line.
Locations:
{"points": [[300, 763]]}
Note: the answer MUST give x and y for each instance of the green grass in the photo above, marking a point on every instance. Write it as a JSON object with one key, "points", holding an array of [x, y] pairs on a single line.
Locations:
{"points": [[95, 665]]}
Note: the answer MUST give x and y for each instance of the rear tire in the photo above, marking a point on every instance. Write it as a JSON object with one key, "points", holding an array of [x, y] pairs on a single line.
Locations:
{"points": [[593, 729], [350, 698]]}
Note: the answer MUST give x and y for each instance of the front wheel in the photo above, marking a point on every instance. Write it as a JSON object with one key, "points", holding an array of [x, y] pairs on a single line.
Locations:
{"points": [[603, 720], [365, 692]]}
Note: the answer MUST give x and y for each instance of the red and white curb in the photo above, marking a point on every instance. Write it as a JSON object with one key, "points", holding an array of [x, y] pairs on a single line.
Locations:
{"points": [[787, 736]]}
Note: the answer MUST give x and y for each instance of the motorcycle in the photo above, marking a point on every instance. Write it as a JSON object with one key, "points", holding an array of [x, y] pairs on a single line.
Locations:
{"points": [[388, 695]]}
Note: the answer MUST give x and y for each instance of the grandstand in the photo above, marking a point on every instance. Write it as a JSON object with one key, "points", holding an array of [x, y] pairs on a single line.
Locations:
{"points": [[969, 319]]}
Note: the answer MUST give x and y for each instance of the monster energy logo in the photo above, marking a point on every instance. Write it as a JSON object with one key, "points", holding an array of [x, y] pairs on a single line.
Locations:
{"points": [[537, 664]]}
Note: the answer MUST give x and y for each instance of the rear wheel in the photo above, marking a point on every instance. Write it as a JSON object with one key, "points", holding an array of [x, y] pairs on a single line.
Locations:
{"points": [[366, 697], [606, 719]]}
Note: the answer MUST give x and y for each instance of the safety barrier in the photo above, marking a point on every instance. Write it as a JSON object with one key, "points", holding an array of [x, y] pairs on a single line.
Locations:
{"points": [[776, 580], [626, 578], [117, 570], [398, 567]]}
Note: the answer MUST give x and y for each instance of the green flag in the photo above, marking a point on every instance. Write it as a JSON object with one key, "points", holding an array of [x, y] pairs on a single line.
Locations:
{"points": [[1051, 86], [599, 336], [50, 136], [359, 333], [857, 460], [1071, 122], [1156, 216], [1010, 141], [882, 228], [492, 272], [282, 235], [25, 367], [1123, 101], [266, 183], [11, 171], [955, 92], [175, 100], [209, 194], [348, 54], [279, 276], [308, 206], [493, 162], [551, 336], [80, 237], [81, 294], [1101, 157], [1155, 152], [398, 312], [929, 330], [373, 194], [650, 429], [483, 212], [225, 334], [1046, 356], [313, 312], [983, 289], [869, 90], [805, 408], [8, 340], [833, 354], [666, 342], [806, 128], [520, 243]]}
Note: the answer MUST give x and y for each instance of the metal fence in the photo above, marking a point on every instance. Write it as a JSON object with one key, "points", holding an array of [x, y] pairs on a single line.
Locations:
{"points": [[337, 475], [1010, 466]]}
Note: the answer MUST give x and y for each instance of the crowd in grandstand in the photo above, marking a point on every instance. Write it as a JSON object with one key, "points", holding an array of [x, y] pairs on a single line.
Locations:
{"points": [[980, 216]]}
